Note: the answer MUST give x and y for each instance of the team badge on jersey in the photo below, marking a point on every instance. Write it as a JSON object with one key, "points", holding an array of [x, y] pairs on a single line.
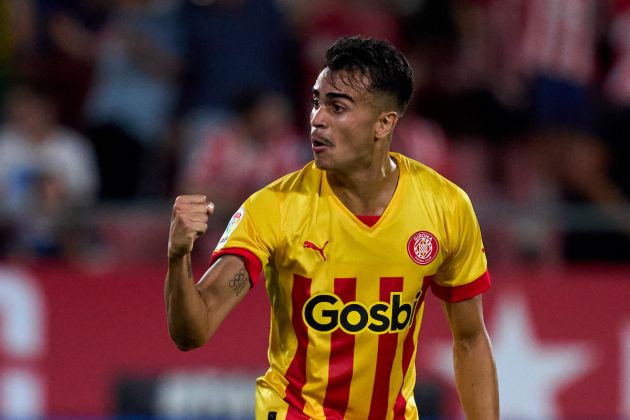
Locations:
{"points": [[234, 221], [422, 247]]}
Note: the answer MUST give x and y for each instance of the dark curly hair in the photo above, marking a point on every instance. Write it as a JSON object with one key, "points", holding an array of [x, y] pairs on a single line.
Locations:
{"points": [[387, 70]]}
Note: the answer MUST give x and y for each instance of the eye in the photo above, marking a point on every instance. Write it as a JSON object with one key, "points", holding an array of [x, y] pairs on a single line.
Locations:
{"points": [[315, 103], [337, 108]]}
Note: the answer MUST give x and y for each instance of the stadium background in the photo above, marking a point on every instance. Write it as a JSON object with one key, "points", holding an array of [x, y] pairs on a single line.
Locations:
{"points": [[111, 108]]}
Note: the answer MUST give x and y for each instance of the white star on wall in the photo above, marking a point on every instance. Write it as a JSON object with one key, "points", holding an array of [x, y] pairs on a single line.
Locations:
{"points": [[531, 373]]}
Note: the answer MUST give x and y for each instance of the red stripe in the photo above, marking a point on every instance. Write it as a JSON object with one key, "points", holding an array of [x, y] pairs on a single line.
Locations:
{"points": [[387, 344], [408, 348], [296, 373], [341, 359], [463, 292]]}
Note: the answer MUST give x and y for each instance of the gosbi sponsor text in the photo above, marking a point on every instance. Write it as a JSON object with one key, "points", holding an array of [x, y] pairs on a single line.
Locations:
{"points": [[326, 312]]}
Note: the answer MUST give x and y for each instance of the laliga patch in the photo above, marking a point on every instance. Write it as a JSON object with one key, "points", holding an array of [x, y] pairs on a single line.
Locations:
{"points": [[231, 227], [422, 247]]}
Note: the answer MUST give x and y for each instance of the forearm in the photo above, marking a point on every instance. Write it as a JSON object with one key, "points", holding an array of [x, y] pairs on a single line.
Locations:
{"points": [[476, 377], [186, 311]]}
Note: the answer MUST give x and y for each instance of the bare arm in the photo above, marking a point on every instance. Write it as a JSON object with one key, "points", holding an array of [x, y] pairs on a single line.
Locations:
{"points": [[195, 311], [475, 370]]}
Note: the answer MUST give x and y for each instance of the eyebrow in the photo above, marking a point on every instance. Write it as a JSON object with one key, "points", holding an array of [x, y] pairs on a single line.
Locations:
{"points": [[335, 95]]}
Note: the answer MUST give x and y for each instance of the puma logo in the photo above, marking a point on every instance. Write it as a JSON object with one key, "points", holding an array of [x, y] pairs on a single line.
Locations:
{"points": [[311, 245]]}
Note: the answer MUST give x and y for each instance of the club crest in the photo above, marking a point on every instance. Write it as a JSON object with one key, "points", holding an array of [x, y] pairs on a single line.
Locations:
{"points": [[422, 247]]}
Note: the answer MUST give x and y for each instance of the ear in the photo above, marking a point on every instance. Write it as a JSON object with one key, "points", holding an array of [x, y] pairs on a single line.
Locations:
{"points": [[385, 124]]}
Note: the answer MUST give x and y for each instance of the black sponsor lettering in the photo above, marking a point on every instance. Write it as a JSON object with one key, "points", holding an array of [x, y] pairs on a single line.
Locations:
{"points": [[332, 314], [378, 312], [397, 310], [345, 318], [326, 312]]}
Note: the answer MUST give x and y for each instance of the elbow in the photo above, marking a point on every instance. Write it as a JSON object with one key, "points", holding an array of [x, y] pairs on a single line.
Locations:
{"points": [[187, 346], [188, 343]]}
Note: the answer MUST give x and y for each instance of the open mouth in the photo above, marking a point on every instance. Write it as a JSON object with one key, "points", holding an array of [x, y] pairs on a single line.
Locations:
{"points": [[319, 144]]}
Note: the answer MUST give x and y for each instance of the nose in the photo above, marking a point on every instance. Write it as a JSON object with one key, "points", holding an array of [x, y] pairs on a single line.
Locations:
{"points": [[317, 117]]}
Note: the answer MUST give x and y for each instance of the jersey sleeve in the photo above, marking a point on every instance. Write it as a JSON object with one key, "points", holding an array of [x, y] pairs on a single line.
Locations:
{"points": [[464, 273], [250, 234]]}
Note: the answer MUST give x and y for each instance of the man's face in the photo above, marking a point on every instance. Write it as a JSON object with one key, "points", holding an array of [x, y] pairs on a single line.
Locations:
{"points": [[343, 120]]}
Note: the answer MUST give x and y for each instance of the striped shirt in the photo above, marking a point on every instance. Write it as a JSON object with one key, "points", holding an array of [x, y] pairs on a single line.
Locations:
{"points": [[347, 298]]}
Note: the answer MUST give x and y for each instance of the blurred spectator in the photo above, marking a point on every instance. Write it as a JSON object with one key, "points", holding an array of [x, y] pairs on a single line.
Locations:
{"points": [[542, 56], [54, 46], [508, 103], [134, 92], [48, 175], [246, 153], [549, 65], [454, 73], [231, 47], [234, 46], [560, 51], [449, 54], [603, 169]]}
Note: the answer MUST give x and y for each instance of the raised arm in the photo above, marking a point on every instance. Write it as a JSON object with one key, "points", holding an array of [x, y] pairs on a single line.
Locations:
{"points": [[475, 370], [195, 311]]}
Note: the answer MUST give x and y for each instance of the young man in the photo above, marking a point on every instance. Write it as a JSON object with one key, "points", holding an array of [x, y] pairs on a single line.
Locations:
{"points": [[349, 245]]}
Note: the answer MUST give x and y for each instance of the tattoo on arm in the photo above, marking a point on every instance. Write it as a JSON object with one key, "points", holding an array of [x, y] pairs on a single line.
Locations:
{"points": [[239, 282]]}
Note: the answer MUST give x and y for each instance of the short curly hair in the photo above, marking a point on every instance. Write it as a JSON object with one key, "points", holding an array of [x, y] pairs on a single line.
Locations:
{"points": [[387, 70]]}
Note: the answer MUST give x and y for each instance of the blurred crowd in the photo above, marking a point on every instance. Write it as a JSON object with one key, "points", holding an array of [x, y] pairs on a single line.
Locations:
{"points": [[524, 103]]}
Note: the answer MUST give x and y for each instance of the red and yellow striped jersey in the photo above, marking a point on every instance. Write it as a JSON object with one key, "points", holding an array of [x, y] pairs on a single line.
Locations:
{"points": [[346, 298]]}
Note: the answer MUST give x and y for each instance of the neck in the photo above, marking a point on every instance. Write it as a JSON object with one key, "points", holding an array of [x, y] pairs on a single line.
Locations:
{"points": [[367, 191]]}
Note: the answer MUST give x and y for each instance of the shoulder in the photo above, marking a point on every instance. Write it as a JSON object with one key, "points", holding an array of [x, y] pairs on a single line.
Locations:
{"points": [[285, 203], [429, 180], [302, 183]]}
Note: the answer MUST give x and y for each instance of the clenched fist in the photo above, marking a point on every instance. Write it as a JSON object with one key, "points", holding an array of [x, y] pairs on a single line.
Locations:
{"points": [[188, 222]]}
